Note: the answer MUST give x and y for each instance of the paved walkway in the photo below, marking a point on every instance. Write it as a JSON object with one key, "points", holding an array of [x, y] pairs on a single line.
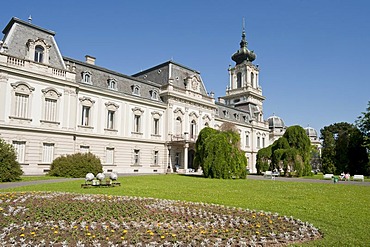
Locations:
{"points": [[255, 177], [308, 180]]}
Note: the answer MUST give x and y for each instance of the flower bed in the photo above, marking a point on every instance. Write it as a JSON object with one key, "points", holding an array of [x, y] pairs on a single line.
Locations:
{"points": [[66, 219]]}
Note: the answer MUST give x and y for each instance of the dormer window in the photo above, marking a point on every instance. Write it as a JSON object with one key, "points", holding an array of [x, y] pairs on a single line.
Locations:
{"points": [[112, 84], [236, 116], [135, 89], [153, 94], [38, 51], [86, 77], [39, 54], [226, 113]]}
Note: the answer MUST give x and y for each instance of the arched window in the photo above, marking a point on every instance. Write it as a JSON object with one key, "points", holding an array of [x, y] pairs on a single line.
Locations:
{"points": [[39, 53], [193, 129], [252, 79], [86, 77], [178, 126], [239, 80]]}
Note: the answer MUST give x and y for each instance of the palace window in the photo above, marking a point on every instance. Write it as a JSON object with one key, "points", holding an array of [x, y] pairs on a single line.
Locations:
{"points": [[39, 54], [137, 112], [252, 79], [109, 159], [135, 90], [153, 94], [110, 120], [263, 142], [20, 149], [247, 140], [137, 121], [156, 123], [111, 115], [21, 105], [178, 126], [112, 84], [86, 114], [50, 104], [156, 126], [50, 110], [136, 156], [155, 158], [193, 129], [239, 80], [86, 77], [47, 153], [85, 121], [258, 142], [84, 149], [22, 98]]}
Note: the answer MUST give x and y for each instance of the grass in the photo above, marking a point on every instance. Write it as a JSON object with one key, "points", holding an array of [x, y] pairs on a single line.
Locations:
{"points": [[340, 211], [35, 178]]}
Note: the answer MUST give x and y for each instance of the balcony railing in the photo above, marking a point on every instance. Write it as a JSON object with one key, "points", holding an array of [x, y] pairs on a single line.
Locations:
{"points": [[36, 67]]}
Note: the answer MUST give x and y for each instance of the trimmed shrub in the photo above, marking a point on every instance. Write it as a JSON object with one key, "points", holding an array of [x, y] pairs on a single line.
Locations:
{"points": [[76, 165], [10, 169]]}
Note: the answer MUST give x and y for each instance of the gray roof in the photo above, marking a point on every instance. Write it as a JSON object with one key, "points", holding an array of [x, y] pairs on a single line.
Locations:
{"points": [[17, 33], [161, 74], [124, 83]]}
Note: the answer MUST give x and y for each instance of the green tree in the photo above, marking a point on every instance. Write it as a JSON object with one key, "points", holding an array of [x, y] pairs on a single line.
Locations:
{"points": [[277, 160], [298, 139], [277, 150], [10, 169], [75, 165], [263, 159], [315, 158], [343, 149], [363, 123], [200, 146], [219, 155]]}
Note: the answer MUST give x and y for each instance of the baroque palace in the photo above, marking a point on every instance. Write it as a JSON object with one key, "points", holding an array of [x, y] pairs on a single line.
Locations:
{"points": [[51, 105]]}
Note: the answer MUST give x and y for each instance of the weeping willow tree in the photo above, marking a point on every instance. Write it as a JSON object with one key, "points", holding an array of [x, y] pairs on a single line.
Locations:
{"points": [[291, 154], [219, 154]]}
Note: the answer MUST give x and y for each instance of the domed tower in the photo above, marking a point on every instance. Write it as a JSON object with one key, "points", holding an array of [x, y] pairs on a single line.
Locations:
{"points": [[244, 91], [312, 134], [277, 128]]}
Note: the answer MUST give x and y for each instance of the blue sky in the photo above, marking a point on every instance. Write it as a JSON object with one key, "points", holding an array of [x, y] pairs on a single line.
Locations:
{"points": [[314, 55]]}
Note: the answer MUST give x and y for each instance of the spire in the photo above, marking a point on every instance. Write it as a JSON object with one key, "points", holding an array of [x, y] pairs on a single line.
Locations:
{"points": [[243, 54], [30, 19], [243, 42]]}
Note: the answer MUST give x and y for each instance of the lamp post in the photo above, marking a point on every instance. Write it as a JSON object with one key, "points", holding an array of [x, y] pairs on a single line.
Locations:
{"points": [[169, 160]]}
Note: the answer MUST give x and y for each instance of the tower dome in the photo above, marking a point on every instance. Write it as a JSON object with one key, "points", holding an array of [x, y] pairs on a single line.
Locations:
{"points": [[275, 122], [243, 54], [311, 132]]}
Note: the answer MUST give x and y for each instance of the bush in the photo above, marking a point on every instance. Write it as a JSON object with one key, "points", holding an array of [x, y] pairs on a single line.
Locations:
{"points": [[10, 170], [75, 165]]}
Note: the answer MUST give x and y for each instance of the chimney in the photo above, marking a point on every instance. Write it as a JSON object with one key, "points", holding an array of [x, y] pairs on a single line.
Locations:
{"points": [[90, 59]]}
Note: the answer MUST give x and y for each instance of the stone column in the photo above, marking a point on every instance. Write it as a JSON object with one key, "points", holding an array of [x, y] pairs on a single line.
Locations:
{"points": [[186, 149]]}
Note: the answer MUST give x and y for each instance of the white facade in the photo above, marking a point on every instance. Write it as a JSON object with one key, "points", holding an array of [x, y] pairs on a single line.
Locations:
{"points": [[52, 105]]}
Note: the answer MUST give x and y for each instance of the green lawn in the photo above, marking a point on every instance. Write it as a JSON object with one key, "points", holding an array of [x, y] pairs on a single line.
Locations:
{"points": [[34, 178], [340, 211]]}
